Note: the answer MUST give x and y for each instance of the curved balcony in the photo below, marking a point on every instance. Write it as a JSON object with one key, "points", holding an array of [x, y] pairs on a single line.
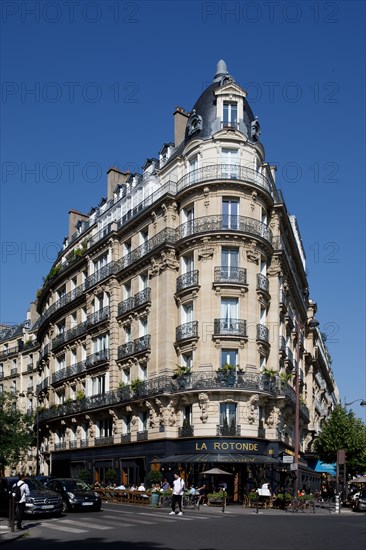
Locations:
{"points": [[187, 280], [228, 431], [97, 358], [61, 303], [236, 328], [98, 316], [224, 172], [224, 275], [166, 385], [262, 333], [187, 331], [68, 372], [139, 345], [228, 224], [262, 283]]}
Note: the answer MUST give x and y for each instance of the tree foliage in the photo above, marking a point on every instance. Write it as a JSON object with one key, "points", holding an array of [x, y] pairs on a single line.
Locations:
{"points": [[343, 430], [16, 431]]}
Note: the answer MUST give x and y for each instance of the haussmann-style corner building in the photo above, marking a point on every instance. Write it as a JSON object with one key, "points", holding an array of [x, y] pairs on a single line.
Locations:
{"points": [[171, 325]]}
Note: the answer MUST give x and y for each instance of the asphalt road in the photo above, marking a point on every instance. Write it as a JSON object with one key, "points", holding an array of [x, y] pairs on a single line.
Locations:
{"points": [[133, 528]]}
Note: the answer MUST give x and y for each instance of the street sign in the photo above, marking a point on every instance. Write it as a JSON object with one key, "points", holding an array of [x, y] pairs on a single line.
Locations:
{"points": [[287, 459], [294, 467]]}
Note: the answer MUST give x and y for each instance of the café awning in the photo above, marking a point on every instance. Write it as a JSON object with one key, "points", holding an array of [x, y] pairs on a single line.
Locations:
{"points": [[217, 457]]}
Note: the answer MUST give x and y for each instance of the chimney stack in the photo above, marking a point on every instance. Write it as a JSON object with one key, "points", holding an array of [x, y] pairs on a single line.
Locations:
{"points": [[180, 123]]}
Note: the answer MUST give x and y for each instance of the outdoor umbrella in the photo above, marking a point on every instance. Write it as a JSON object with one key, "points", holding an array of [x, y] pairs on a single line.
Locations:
{"points": [[217, 471], [361, 479]]}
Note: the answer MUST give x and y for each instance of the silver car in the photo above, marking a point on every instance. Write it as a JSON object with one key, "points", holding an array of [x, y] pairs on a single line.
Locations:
{"points": [[359, 504]]}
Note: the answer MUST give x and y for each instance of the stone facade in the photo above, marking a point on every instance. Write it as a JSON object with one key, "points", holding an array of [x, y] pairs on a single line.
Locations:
{"points": [[178, 310]]}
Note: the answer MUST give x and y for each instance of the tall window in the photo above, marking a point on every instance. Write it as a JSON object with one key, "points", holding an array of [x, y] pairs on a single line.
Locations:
{"points": [[105, 427], [229, 313], [188, 264], [126, 424], [228, 415], [230, 262], [126, 376], [143, 330], [188, 221], [143, 371], [143, 281], [187, 415], [229, 357], [101, 343], [229, 159], [192, 167], [142, 421], [100, 262], [187, 360], [98, 385], [230, 213], [187, 313], [230, 114]]}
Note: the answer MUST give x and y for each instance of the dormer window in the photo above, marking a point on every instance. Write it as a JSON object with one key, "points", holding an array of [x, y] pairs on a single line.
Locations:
{"points": [[230, 115]]}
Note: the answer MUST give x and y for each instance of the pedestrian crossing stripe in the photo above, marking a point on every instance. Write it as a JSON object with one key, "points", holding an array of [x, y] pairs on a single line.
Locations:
{"points": [[81, 524]]}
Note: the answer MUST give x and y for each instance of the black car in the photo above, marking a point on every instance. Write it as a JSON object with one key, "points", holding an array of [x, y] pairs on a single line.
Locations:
{"points": [[43, 479], [76, 494], [41, 500]]}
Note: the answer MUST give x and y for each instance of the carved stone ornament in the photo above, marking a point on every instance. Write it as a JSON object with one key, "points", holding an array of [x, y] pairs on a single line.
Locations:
{"points": [[207, 251], [203, 401], [168, 260], [194, 123], [275, 268], [252, 409], [252, 252]]}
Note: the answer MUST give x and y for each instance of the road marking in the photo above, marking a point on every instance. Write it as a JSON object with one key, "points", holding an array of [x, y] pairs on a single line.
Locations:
{"points": [[81, 524], [60, 528]]}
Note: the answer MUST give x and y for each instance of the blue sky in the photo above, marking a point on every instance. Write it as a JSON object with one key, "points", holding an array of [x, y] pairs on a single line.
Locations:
{"points": [[87, 85]]}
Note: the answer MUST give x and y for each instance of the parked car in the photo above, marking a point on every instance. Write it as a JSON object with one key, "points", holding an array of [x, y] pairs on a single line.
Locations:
{"points": [[43, 479], [76, 494], [41, 500], [359, 504]]}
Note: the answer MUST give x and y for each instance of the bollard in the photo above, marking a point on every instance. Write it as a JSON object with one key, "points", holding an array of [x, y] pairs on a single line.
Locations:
{"points": [[12, 511], [337, 507]]}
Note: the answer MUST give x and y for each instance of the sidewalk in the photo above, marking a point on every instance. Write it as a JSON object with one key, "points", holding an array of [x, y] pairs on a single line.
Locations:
{"points": [[6, 535]]}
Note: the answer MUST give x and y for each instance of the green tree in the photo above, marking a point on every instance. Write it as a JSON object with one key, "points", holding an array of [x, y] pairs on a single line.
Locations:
{"points": [[16, 431], [343, 430]]}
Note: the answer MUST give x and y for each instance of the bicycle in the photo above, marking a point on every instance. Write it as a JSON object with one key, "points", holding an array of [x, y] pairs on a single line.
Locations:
{"points": [[297, 505]]}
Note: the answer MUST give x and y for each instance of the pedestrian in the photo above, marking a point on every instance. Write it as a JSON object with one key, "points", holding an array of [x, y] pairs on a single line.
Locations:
{"points": [[177, 496], [21, 492]]}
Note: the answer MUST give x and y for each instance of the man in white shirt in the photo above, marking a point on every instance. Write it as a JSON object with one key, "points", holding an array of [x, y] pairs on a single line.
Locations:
{"points": [[20, 505], [177, 496]]}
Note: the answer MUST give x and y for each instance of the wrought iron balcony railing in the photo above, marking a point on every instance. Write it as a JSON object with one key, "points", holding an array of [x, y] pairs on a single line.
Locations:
{"points": [[43, 385], [68, 372], [186, 431], [224, 172], [60, 446], [98, 316], [165, 385], [98, 441], [262, 333], [238, 224], [84, 442], [30, 367], [142, 298], [137, 346], [282, 344], [230, 327], [126, 306], [142, 436], [98, 357], [228, 431], [262, 282], [187, 280], [100, 235], [186, 331], [126, 438], [13, 371], [230, 275]]}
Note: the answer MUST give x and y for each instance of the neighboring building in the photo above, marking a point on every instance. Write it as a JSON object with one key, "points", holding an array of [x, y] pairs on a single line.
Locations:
{"points": [[171, 321]]}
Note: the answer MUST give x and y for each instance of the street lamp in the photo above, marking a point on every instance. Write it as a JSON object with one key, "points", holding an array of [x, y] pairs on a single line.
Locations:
{"points": [[362, 403], [312, 323]]}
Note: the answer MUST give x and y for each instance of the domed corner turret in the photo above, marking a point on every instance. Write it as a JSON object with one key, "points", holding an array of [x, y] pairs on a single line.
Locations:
{"points": [[222, 105]]}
